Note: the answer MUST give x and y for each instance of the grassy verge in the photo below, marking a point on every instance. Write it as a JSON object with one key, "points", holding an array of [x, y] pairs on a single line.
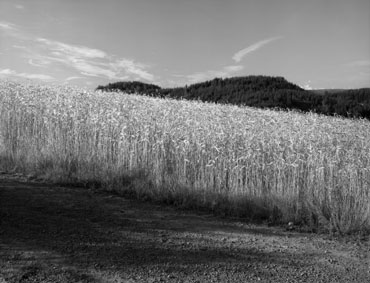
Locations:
{"points": [[258, 164]]}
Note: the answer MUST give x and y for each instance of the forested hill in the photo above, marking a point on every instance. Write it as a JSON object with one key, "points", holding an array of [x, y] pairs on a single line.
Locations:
{"points": [[225, 87], [131, 87], [237, 90], [259, 91]]}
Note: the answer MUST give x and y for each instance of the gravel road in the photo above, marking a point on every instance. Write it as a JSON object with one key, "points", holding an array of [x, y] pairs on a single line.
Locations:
{"points": [[51, 233]]}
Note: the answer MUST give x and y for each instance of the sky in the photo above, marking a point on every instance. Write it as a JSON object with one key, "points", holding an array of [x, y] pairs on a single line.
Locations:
{"points": [[314, 44]]}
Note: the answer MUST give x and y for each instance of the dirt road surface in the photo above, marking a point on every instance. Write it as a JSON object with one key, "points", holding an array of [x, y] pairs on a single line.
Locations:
{"points": [[51, 233]]}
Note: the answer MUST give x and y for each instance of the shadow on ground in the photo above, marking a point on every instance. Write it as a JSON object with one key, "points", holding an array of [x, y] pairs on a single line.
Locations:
{"points": [[77, 235]]}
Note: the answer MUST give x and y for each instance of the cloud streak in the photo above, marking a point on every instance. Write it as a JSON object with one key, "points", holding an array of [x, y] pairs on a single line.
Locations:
{"points": [[12, 73], [360, 63], [90, 62], [231, 69], [83, 61], [12, 30], [86, 61], [210, 74], [7, 26], [72, 50], [133, 68], [238, 56], [307, 85], [73, 78]]}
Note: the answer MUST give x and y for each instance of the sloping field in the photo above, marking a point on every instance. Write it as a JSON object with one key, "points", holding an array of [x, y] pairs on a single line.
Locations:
{"points": [[238, 161]]}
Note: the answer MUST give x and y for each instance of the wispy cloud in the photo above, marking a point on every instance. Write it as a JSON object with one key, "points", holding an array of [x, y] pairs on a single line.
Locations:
{"points": [[12, 30], [38, 62], [12, 73], [19, 47], [133, 68], [210, 74], [307, 85], [226, 70], [72, 50], [19, 6], [90, 62], [86, 61], [238, 56], [7, 26], [359, 63], [73, 78]]}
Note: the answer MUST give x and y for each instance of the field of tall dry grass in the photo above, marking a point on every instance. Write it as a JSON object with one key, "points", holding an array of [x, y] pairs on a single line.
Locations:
{"points": [[238, 161]]}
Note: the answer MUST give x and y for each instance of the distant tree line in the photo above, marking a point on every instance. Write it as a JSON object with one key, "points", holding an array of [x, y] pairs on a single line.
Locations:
{"points": [[131, 87], [260, 91]]}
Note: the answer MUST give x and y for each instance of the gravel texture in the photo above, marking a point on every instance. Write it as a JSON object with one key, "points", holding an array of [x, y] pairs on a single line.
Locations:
{"points": [[51, 233]]}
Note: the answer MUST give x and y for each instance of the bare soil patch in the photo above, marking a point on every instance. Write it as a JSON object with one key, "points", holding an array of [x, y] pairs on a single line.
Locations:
{"points": [[51, 233]]}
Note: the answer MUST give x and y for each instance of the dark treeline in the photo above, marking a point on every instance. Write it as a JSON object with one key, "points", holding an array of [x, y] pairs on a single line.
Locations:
{"points": [[131, 87], [260, 91]]}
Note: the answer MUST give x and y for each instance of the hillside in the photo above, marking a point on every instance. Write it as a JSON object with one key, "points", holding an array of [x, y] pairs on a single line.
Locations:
{"points": [[216, 90], [130, 87], [327, 90], [260, 91]]}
